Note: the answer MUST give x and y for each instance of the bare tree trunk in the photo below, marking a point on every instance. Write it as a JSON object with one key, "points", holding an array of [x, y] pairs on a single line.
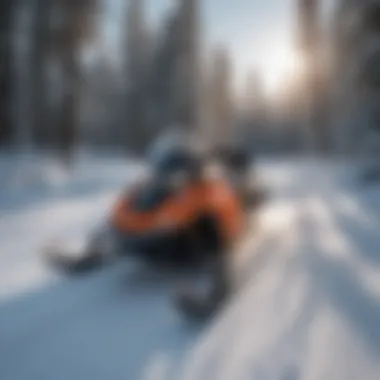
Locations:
{"points": [[6, 18], [76, 25], [68, 127], [38, 69]]}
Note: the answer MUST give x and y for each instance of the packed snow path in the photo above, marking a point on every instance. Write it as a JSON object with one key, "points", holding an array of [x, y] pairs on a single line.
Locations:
{"points": [[309, 310]]}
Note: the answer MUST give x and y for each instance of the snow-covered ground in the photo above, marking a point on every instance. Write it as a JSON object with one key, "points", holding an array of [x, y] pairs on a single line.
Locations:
{"points": [[41, 202], [310, 308]]}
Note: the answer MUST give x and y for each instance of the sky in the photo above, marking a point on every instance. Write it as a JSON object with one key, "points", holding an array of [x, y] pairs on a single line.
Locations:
{"points": [[257, 33]]}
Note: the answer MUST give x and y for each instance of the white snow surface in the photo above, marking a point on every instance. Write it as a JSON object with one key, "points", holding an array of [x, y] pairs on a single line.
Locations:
{"points": [[309, 309]]}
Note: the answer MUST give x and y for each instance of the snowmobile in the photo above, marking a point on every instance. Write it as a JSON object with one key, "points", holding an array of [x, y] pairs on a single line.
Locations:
{"points": [[187, 215]]}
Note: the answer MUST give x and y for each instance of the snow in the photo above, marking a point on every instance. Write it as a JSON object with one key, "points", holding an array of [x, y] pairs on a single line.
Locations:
{"points": [[309, 307], [42, 203]]}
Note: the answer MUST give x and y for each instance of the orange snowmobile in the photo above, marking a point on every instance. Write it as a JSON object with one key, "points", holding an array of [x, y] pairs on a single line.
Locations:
{"points": [[186, 215]]}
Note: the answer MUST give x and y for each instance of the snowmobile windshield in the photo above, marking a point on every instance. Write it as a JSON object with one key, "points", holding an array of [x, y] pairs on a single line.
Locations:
{"points": [[176, 159], [175, 170], [172, 163]]}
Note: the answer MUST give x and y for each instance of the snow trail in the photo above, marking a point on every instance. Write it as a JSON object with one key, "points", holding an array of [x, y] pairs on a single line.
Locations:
{"points": [[309, 309]]}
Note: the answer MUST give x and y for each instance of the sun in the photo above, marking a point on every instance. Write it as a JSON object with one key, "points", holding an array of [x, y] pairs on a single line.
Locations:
{"points": [[278, 66]]}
